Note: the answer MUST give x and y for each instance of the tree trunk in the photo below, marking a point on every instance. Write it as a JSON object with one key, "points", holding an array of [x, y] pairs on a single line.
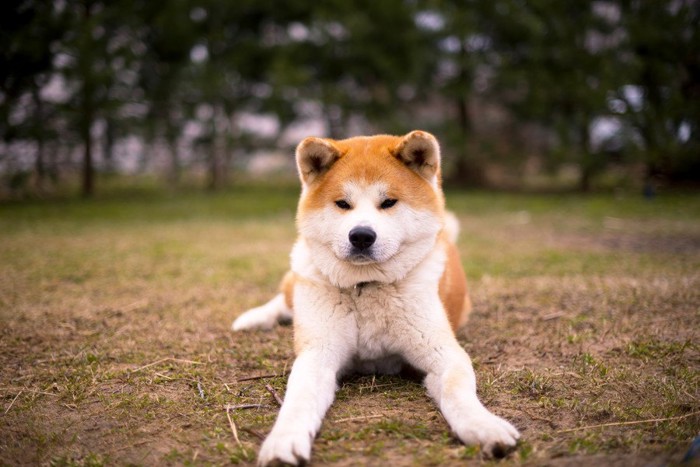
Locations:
{"points": [[109, 146], [53, 162], [587, 164], [585, 180], [173, 172], [335, 121], [217, 158], [175, 169], [39, 164], [467, 171], [88, 185], [87, 105]]}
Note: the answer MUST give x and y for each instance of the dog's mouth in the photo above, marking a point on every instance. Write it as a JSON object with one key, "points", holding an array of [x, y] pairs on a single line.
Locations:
{"points": [[367, 258], [360, 258]]}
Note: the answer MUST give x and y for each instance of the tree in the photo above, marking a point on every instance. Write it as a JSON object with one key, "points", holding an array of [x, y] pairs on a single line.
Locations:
{"points": [[28, 31], [460, 35], [95, 49], [556, 68], [169, 32], [362, 59], [662, 95]]}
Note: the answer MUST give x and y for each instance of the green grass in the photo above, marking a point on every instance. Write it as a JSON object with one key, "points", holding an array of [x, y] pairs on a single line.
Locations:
{"points": [[115, 346], [123, 207]]}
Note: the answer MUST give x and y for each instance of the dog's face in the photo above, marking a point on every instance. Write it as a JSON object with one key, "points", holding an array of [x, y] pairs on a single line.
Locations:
{"points": [[371, 207]]}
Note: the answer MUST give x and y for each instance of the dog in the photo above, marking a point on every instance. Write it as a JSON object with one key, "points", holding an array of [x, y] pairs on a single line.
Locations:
{"points": [[376, 284]]}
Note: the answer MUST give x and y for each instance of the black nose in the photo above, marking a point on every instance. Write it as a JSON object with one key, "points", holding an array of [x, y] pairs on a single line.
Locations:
{"points": [[362, 237]]}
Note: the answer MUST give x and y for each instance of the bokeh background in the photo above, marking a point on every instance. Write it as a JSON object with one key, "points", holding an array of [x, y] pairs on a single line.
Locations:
{"points": [[541, 94], [147, 199]]}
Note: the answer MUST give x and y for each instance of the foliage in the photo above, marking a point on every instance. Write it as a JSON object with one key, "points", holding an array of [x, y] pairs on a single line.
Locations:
{"points": [[501, 82]]}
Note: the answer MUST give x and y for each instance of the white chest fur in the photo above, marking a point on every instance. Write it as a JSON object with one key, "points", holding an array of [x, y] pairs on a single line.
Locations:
{"points": [[374, 308], [372, 325]]}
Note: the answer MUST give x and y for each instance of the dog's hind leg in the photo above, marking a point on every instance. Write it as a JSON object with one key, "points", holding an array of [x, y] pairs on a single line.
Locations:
{"points": [[265, 316], [277, 310]]}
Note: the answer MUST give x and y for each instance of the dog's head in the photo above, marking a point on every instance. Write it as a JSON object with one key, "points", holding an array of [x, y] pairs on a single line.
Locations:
{"points": [[371, 207]]}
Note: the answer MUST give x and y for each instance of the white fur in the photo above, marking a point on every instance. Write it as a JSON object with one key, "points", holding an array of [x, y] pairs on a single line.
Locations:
{"points": [[451, 227], [394, 316], [398, 247], [265, 316]]}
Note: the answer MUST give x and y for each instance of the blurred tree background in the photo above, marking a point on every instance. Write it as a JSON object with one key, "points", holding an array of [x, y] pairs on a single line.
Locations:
{"points": [[536, 94]]}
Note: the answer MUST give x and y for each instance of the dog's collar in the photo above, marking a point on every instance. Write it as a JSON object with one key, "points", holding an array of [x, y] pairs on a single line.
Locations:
{"points": [[360, 286]]}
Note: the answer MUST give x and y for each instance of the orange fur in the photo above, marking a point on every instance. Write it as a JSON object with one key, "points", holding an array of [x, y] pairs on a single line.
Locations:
{"points": [[453, 289], [287, 288], [369, 160], [373, 159]]}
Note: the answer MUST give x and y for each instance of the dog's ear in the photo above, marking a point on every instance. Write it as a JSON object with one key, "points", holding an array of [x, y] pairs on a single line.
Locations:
{"points": [[314, 157], [420, 152]]}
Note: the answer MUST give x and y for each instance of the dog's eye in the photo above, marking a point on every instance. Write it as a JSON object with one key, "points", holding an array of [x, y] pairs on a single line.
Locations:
{"points": [[387, 203], [342, 204]]}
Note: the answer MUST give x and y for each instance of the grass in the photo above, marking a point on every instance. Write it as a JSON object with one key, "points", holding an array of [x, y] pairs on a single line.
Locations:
{"points": [[115, 345]]}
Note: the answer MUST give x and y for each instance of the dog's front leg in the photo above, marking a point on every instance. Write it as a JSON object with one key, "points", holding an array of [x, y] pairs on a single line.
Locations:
{"points": [[429, 345], [310, 391], [452, 384]]}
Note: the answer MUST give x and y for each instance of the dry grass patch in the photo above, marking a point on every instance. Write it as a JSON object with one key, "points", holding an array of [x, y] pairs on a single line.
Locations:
{"points": [[115, 346]]}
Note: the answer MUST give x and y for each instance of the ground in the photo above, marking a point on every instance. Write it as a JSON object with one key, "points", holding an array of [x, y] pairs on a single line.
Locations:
{"points": [[115, 344]]}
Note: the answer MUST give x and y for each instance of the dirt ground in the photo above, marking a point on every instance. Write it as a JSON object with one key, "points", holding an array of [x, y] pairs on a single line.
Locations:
{"points": [[116, 349]]}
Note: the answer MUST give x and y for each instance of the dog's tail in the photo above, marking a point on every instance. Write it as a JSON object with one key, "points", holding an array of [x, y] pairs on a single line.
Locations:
{"points": [[451, 228]]}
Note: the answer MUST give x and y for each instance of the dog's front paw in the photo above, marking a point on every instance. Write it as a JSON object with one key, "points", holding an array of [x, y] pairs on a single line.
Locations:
{"points": [[496, 436], [288, 447]]}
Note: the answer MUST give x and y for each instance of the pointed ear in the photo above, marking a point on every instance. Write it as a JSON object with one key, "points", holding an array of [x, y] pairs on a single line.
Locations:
{"points": [[314, 157], [420, 152]]}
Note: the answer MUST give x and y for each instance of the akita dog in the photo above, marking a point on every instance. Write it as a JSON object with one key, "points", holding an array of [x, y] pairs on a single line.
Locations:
{"points": [[375, 283]]}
